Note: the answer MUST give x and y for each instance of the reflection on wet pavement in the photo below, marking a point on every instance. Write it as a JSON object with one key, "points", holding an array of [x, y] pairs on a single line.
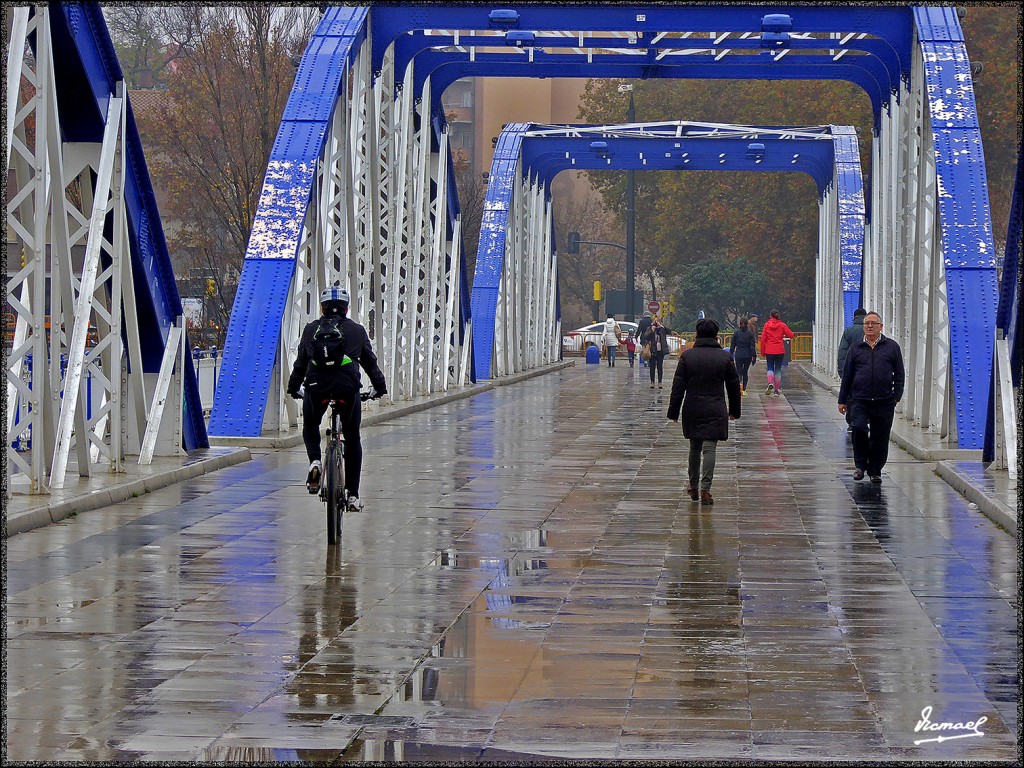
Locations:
{"points": [[528, 579]]}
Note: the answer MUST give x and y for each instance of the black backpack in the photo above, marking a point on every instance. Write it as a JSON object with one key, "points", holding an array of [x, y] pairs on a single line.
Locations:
{"points": [[329, 367]]}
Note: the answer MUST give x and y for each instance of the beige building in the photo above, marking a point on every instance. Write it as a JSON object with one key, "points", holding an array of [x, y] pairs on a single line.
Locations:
{"points": [[478, 107]]}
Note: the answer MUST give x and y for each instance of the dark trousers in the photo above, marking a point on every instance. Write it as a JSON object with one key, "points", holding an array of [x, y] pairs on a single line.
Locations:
{"points": [[708, 450], [657, 362], [872, 422], [742, 367], [313, 410]]}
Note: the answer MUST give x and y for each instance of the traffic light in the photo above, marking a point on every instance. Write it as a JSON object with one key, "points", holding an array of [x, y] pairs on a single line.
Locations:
{"points": [[574, 242], [597, 290], [672, 304]]}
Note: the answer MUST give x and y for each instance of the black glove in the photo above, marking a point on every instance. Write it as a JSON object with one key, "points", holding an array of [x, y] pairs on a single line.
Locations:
{"points": [[754, 361]]}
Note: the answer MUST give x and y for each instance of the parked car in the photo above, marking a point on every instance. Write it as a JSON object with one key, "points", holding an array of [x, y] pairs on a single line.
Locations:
{"points": [[575, 341]]}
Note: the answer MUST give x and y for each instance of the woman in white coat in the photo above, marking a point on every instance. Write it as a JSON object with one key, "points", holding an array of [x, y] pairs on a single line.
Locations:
{"points": [[610, 339]]}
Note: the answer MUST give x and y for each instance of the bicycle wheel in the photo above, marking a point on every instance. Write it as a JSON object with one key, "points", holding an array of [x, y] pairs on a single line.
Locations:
{"points": [[331, 494]]}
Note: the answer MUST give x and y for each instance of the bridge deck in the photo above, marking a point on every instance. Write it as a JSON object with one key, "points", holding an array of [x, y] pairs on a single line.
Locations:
{"points": [[800, 616]]}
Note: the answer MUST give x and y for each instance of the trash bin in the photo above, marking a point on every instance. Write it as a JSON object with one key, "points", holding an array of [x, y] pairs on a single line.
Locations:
{"points": [[593, 354]]}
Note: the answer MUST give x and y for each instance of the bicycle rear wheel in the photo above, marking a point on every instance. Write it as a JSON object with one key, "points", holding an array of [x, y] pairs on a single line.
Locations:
{"points": [[331, 483]]}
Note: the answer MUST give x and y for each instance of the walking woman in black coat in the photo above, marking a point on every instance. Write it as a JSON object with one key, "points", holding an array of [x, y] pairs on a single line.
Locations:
{"points": [[744, 352], [704, 376]]}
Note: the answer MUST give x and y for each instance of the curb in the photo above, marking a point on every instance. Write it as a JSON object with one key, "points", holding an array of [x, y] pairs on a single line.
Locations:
{"points": [[994, 509], [37, 517], [396, 411]]}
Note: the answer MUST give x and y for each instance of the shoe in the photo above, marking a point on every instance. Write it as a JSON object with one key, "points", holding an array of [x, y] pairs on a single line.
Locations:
{"points": [[661, 386], [652, 386], [776, 393], [876, 479], [693, 493], [705, 498], [743, 393], [313, 478], [858, 474], [769, 389], [354, 504]]}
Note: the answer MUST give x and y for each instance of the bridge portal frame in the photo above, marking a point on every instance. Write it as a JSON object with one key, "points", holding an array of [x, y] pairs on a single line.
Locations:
{"points": [[654, 35], [511, 274]]}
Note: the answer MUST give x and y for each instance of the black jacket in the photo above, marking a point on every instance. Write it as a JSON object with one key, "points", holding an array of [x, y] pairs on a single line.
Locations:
{"points": [[873, 374], [642, 326], [697, 388], [851, 335], [744, 345], [649, 336], [356, 345]]}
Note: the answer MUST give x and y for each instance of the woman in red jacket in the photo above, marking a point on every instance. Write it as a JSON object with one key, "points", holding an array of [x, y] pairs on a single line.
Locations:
{"points": [[773, 349]]}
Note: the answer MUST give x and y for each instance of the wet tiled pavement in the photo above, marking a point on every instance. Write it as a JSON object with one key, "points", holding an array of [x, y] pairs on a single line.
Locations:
{"points": [[528, 579]]}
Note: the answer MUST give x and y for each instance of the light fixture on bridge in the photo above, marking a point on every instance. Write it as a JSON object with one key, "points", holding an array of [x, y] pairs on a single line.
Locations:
{"points": [[755, 152], [775, 29], [503, 17]]}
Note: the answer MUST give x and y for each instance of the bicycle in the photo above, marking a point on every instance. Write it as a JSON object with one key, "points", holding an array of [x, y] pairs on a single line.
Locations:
{"points": [[332, 483]]}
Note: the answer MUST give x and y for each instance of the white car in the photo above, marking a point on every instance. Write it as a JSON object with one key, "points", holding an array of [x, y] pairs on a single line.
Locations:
{"points": [[575, 341]]}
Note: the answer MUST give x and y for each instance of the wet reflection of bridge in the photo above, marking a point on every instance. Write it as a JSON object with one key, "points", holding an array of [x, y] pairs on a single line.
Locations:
{"points": [[528, 579]]}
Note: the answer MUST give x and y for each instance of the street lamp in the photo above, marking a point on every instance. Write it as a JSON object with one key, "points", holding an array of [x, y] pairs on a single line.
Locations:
{"points": [[630, 212]]}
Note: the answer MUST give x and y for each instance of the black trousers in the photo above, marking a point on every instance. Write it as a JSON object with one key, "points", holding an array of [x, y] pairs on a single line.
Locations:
{"points": [[872, 422], [313, 410], [657, 363], [742, 367]]}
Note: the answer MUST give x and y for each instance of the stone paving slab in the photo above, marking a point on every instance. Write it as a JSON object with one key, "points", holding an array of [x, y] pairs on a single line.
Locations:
{"points": [[528, 582], [989, 489], [24, 511]]}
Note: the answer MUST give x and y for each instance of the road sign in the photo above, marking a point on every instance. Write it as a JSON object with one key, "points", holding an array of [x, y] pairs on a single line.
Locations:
{"points": [[653, 306]]}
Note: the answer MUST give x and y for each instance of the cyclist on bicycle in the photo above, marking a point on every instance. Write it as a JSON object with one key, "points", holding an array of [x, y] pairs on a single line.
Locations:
{"points": [[329, 351]]}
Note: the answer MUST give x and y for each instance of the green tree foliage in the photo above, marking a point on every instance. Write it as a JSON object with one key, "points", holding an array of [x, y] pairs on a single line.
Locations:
{"points": [[725, 289], [770, 220], [992, 35]]}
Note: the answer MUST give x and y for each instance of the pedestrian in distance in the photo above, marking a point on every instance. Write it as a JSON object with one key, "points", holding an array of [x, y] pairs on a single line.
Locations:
{"points": [[641, 330], [773, 350], [657, 337], [851, 335], [873, 381], [744, 352], [610, 337], [631, 347], [705, 376]]}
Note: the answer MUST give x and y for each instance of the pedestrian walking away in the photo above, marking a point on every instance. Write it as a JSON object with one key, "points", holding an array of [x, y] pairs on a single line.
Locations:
{"points": [[331, 350], [773, 350], [851, 335], [705, 376], [657, 337], [744, 352], [631, 347], [611, 337], [873, 381]]}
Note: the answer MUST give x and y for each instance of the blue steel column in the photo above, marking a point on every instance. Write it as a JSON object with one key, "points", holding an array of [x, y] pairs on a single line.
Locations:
{"points": [[491, 252], [255, 326], [88, 70], [963, 214]]}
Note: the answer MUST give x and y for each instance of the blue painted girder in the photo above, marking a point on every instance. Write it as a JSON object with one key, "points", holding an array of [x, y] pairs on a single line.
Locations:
{"points": [[87, 73], [833, 151]]}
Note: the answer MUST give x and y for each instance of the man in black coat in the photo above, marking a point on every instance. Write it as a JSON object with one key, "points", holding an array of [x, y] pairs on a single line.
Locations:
{"points": [[873, 381], [704, 376], [337, 379]]}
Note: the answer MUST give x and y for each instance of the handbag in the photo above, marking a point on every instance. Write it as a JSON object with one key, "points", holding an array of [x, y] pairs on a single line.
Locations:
{"points": [[645, 353]]}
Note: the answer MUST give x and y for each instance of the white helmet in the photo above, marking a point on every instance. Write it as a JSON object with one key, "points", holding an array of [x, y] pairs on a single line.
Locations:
{"points": [[336, 293]]}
